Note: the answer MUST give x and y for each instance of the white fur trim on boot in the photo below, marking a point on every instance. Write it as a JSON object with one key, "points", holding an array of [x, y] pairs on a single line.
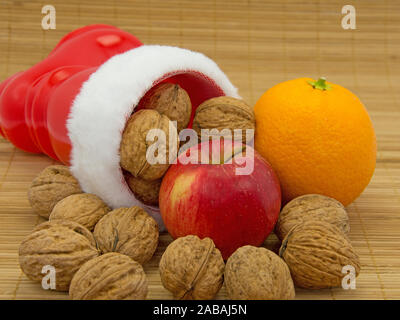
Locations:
{"points": [[105, 102]]}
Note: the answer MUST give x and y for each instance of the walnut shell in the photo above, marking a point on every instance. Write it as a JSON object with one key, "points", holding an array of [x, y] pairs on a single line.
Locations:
{"points": [[65, 245], [253, 273], [311, 207], [316, 252], [50, 186], [171, 100], [134, 146], [112, 276], [130, 231], [144, 190], [84, 208], [224, 113], [191, 268]]}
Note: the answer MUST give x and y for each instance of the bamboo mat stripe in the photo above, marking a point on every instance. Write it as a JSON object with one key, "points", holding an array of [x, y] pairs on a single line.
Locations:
{"points": [[258, 44]]}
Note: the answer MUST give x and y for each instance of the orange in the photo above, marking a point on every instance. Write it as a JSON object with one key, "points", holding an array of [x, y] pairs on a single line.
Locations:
{"points": [[318, 137]]}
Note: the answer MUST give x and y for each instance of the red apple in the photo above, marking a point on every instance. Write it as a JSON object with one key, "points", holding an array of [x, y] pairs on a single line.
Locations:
{"points": [[214, 200]]}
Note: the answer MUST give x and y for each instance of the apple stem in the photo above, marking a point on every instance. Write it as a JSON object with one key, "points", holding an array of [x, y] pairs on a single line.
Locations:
{"points": [[243, 148]]}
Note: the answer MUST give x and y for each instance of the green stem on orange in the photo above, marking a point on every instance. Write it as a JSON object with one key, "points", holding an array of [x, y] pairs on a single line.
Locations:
{"points": [[320, 84]]}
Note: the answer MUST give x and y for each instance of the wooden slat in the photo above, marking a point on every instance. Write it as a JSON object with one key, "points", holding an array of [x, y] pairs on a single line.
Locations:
{"points": [[258, 44]]}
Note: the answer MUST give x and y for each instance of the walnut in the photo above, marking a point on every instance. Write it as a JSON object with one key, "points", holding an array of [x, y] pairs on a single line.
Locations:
{"points": [[130, 231], [171, 100], [145, 191], [316, 252], [224, 113], [85, 208], [312, 207], [112, 276], [253, 273], [134, 145], [191, 268], [53, 184], [65, 245]]}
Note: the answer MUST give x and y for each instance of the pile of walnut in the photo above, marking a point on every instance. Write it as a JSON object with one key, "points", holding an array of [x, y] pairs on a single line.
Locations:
{"points": [[164, 103], [169, 102], [315, 245], [105, 264], [315, 253]]}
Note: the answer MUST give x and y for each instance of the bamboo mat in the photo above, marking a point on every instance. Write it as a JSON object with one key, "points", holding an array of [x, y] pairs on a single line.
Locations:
{"points": [[258, 44]]}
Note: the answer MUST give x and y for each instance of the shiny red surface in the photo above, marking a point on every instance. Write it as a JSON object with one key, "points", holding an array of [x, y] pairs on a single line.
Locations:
{"points": [[40, 105], [58, 109], [30, 96], [89, 46], [2, 87]]}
